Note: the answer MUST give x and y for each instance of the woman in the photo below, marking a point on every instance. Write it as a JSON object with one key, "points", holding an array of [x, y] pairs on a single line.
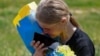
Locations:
{"points": [[55, 19]]}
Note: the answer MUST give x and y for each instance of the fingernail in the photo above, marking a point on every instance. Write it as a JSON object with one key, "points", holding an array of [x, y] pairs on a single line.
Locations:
{"points": [[38, 41]]}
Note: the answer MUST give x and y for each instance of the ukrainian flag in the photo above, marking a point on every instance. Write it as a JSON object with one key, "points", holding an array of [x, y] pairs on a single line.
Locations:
{"points": [[26, 24]]}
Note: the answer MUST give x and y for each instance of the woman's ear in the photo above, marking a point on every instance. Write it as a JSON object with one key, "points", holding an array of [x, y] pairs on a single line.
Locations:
{"points": [[65, 19]]}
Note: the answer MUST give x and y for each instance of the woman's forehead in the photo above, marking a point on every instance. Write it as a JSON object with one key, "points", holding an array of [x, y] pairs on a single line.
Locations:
{"points": [[46, 25]]}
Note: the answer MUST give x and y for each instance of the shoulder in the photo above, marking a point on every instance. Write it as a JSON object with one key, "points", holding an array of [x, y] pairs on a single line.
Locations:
{"points": [[80, 38], [81, 43]]}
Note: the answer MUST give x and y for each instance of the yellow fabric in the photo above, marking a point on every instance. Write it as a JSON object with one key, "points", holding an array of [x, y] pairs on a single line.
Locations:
{"points": [[16, 20], [24, 11]]}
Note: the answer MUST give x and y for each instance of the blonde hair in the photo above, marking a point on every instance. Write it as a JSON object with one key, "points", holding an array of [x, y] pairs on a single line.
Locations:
{"points": [[51, 11]]}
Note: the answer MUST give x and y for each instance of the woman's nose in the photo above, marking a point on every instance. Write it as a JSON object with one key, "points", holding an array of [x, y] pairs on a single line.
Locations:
{"points": [[46, 31]]}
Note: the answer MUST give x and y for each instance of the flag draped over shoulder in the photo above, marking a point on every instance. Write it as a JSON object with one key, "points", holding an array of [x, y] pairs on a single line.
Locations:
{"points": [[26, 24]]}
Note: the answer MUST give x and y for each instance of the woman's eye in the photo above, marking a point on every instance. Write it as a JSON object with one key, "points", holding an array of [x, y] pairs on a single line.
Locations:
{"points": [[47, 29]]}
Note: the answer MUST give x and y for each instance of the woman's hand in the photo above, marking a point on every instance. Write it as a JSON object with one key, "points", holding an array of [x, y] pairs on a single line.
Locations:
{"points": [[39, 50]]}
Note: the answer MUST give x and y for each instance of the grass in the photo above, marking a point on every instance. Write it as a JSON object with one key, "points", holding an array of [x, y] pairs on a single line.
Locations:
{"points": [[86, 12], [83, 3]]}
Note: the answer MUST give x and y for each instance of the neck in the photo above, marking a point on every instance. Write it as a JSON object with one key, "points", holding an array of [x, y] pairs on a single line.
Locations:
{"points": [[68, 32]]}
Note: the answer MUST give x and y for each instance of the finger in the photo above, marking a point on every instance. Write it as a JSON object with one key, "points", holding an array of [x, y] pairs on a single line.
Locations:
{"points": [[41, 46], [37, 44], [32, 43], [44, 49]]}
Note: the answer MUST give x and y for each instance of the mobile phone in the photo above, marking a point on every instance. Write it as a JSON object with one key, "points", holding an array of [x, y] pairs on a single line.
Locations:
{"points": [[43, 39]]}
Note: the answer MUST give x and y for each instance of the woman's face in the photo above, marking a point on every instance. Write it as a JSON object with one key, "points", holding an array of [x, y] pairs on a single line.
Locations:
{"points": [[53, 29]]}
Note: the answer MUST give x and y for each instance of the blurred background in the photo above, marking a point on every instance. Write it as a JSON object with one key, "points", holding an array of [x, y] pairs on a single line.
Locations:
{"points": [[86, 12]]}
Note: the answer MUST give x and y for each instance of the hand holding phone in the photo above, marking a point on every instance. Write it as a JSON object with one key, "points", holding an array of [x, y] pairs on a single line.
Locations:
{"points": [[43, 39]]}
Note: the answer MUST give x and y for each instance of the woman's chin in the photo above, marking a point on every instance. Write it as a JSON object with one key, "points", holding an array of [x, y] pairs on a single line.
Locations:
{"points": [[53, 36]]}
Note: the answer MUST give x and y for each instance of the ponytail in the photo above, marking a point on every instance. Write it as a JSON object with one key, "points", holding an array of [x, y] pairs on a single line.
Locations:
{"points": [[73, 21]]}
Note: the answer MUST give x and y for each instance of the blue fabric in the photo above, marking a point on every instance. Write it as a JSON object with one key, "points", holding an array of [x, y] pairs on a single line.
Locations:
{"points": [[27, 29]]}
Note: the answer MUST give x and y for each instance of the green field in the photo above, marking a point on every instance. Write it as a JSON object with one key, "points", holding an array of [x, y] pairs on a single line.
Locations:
{"points": [[86, 12]]}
